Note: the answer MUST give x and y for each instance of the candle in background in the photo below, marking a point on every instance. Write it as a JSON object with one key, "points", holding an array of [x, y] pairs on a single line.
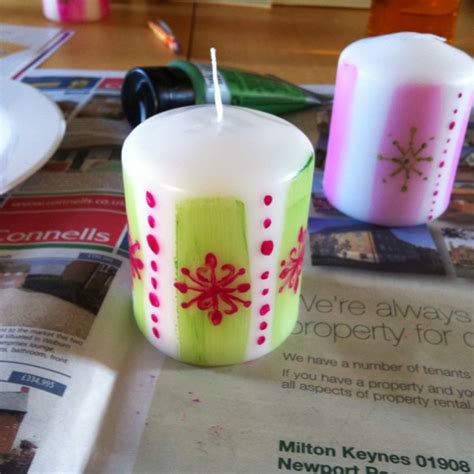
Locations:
{"points": [[75, 11], [217, 206], [424, 16], [401, 108]]}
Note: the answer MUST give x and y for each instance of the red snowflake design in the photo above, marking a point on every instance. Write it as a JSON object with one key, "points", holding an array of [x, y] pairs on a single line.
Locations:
{"points": [[293, 266], [214, 288], [136, 264]]}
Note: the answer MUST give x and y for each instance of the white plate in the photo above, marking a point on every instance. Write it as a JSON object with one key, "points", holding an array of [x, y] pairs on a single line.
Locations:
{"points": [[31, 129]]}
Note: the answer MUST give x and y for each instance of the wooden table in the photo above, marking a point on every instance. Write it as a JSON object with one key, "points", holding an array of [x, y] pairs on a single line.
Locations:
{"points": [[300, 44]]}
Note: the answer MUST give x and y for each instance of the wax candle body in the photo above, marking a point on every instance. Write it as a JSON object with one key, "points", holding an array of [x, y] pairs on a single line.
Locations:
{"points": [[217, 224], [75, 11], [401, 108]]}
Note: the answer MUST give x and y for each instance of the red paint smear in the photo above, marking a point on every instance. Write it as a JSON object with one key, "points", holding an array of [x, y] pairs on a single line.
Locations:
{"points": [[265, 291], [263, 326], [196, 400], [150, 199], [154, 300], [264, 309], [151, 221], [153, 243], [154, 283], [442, 164], [265, 275], [435, 193], [267, 200], [267, 223], [430, 218], [267, 247], [452, 125], [154, 266], [154, 318], [261, 340], [156, 333]]}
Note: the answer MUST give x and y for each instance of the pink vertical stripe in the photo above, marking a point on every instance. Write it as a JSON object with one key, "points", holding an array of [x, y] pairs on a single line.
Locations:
{"points": [[413, 106], [340, 120], [457, 150], [104, 8], [72, 11]]}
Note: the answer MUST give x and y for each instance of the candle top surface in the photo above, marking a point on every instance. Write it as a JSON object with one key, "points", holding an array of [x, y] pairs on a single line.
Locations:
{"points": [[188, 149], [411, 56]]}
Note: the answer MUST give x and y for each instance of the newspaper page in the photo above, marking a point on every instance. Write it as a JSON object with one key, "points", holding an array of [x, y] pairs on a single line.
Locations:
{"points": [[376, 377], [68, 341]]}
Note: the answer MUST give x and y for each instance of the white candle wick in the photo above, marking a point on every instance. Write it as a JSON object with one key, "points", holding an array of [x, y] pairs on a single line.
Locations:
{"points": [[217, 89]]}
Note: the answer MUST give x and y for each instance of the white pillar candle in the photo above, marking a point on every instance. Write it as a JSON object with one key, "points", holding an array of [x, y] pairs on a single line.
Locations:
{"points": [[75, 11], [217, 215], [401, 108]]}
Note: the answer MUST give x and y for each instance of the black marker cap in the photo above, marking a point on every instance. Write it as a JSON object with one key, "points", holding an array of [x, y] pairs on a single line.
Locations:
{"points": [[149, 90]]}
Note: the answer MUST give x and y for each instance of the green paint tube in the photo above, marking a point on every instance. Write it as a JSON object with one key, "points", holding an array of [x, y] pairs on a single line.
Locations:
{"points": [[147, 91]]}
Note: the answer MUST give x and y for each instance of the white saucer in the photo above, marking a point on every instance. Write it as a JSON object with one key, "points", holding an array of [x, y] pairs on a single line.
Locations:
{"points": [[31, 129]]}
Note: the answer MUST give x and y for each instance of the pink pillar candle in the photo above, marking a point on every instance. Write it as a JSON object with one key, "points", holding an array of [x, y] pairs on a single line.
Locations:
{"points": [[401, 108]]}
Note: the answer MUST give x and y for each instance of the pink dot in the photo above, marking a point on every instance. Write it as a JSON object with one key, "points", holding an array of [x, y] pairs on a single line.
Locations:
{"points": [[263, 326], [156, 333], [452, 125], [261, 340], [433, 202], [267, 200], [441, 165], [445, 151], [439, 176], [154, 300], [265, 275], [430, 218], [455, 111], [150, 199], [151, 221], [264, 309], [448, 140], [267, 247], [154, 318], [265, 291], [435, 193], [154, 283], [154, 266], [153, 243], [460, 95], [267, 223]]}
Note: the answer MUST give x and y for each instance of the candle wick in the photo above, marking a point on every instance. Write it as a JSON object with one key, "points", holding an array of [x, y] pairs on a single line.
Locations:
{"points": [[217, 89]]}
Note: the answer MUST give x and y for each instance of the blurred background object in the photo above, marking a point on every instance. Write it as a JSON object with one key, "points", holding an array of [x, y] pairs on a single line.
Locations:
{"points": [[423, 16], [75, 11]]}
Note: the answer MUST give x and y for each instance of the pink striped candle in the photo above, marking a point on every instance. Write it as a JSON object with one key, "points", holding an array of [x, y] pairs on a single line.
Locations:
{"points": [[401, 108], [75, 11]]}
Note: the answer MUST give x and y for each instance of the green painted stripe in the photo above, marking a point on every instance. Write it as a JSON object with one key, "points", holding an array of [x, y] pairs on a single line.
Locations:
{"points": [[218, 226], [296, 216], [133, 229]]}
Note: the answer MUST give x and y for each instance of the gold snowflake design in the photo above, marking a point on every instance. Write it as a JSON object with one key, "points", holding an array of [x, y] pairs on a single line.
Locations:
{"points": [[408, 160]]}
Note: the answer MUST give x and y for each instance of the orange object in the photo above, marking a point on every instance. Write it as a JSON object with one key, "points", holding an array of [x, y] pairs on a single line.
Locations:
{"points": [[424, 16]]}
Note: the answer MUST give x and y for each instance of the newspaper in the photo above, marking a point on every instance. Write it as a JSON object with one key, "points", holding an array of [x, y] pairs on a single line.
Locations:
{"points": [[376, 377]]}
